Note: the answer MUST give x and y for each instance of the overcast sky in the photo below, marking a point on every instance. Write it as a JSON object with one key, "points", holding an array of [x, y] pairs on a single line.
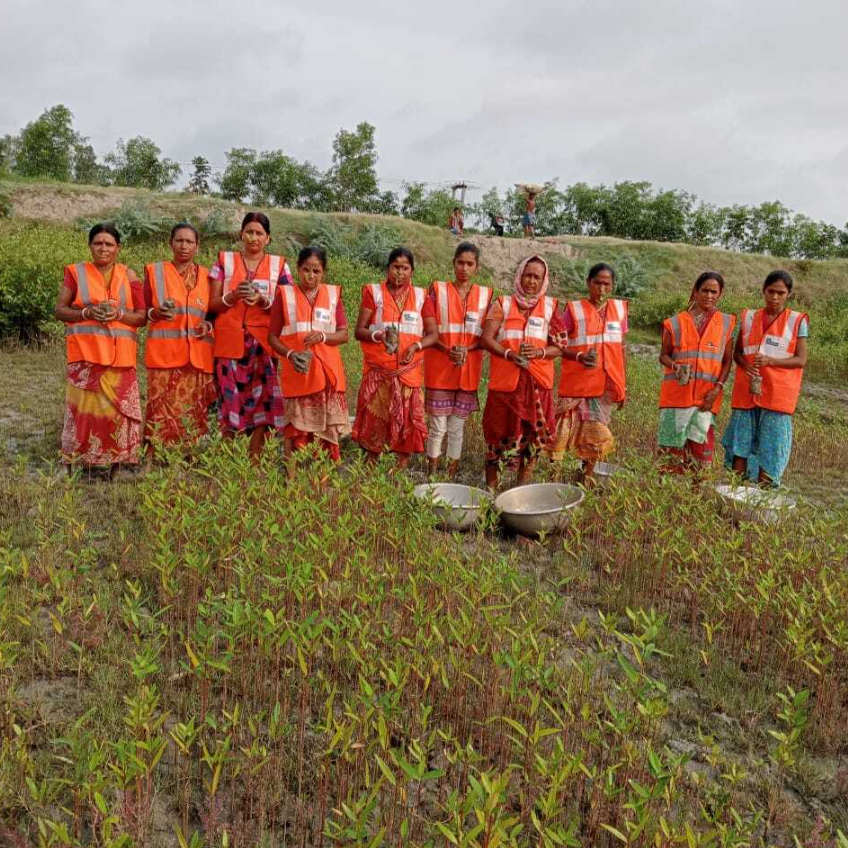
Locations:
{"points": [[738, 101]]}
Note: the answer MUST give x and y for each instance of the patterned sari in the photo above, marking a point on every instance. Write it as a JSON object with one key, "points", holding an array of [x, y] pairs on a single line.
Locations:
{"points": [[102, 415]]}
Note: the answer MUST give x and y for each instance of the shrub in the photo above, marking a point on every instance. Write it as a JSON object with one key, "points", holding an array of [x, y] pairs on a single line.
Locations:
{"points": [[370, 243], [5, 204], [135, 220], [569, 276]]}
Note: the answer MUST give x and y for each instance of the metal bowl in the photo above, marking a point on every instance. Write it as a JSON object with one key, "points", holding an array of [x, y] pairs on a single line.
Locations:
{"points": [[605, 471], [748, 503], [539, 507], [458, 507]]}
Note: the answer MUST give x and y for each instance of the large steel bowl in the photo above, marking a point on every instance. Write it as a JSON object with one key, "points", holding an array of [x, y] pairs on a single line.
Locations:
{"points": [[748, 503], [538, 508], [458, 507]]}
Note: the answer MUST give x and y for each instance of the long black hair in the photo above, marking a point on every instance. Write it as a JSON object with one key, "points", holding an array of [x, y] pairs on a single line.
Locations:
{"points": [[308, 252]]}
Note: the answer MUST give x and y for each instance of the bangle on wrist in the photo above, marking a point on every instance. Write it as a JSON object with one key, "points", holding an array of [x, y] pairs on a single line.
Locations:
{"points": [[288, 353], [224, 300], [323, 338], [83, 315], [579, 354], [374, 333], [544, 353], [149, 315], [507, 352], [120, 315]]}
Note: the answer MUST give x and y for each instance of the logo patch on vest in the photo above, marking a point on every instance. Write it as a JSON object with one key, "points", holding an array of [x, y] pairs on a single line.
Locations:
{"points": [[321, 316], [262, 286], [409, 317], [534, 322], [774, 341], [472, 317], [613, 326]]}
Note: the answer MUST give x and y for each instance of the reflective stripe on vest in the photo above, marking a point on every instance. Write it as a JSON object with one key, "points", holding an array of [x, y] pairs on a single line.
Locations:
{"points": [[583, 338], [84, 330], [317, 323], [274, 268], [411, 323], [472, 328], [536, 327], [84, 292], [780, 349], [162, 296]]}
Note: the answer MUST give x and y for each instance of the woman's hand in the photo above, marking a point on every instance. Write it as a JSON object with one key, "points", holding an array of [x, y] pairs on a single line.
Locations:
{"points": [[245, 291], [457, 354], [314, 338], [709, 399], [527, 350], [104, 312], [589, 359], [761, 360], [676, 366], [409, 353], [203, 329], [752, 371]]}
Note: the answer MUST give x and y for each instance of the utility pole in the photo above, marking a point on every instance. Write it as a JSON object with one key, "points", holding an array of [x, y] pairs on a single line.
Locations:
{"points": [[460, 187]]}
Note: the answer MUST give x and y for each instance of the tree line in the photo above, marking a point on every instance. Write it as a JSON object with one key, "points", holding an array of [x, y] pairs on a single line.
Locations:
{"points": [[50, 147]]}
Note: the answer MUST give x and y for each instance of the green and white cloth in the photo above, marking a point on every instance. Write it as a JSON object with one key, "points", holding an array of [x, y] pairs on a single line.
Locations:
{"points": [[677, 426]]}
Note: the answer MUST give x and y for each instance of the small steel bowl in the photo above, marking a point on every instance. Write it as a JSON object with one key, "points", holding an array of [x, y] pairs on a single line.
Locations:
{"points": [[749, 503], [458, 507]]}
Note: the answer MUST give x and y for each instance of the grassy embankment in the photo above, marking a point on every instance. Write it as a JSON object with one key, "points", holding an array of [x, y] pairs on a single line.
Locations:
{"points": [[214, 649]]}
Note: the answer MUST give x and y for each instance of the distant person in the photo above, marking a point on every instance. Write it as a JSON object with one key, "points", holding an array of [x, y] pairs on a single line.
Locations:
{"points": [[518, 420], [453, 365], [390, 328], [178, 351], [497, 224], [696, 355], [308, 326], [101, 304], [242, 289], [593, 379], [456, 223], [530, 215], [770, 355]]}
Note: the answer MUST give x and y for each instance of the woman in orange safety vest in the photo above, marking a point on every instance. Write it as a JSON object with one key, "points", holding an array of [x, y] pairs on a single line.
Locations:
{"points": [[770, 355], [453, 365], [519, 416], [593, 379], [178, 349], [308, 325], [390, 328], [696, 355], [243, 284], [101, 304]]}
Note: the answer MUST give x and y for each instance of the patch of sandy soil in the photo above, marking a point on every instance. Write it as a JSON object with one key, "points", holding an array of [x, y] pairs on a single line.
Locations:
{"points": [[503, 255], [65, 203]]}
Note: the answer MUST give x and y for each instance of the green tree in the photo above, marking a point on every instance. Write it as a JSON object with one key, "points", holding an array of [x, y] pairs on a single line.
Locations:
{"points": [[85, 167], [8, 149], [46, 145], [354, 172], [137, 163], [433, 207], [199, 181], [235, 181]]}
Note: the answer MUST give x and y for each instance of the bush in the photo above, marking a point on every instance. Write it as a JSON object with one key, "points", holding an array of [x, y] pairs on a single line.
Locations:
{"points": [[569, 276], [370, 243], [134, 220], [5, 204]]}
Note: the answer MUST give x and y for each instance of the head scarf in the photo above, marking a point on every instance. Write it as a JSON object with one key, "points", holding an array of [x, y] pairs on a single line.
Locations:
{"points": [[524, 300]]}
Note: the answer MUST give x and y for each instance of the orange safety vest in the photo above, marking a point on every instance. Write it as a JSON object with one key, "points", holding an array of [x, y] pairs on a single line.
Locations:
{"points": [[230, 324], [704, 353], [113, 343], [459, 324], [576, 380], [300, 317], [515, 329], [173, 344], [781, 386], [410, 326]]}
